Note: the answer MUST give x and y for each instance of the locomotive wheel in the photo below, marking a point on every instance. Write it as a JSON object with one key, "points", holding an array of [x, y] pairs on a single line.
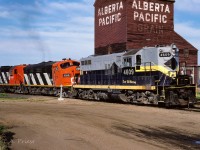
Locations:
{"points": [[168, 104], [123, 98]]}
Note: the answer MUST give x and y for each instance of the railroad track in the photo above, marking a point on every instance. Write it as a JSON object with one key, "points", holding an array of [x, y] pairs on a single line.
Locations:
{"points": [[195, 108]]}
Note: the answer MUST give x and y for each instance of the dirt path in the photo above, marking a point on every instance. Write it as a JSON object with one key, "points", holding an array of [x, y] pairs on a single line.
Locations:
{"points": [[75, 124]]}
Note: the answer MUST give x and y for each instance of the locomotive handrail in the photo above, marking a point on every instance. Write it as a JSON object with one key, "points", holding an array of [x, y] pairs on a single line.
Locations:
{"points": [[145, 67], [169, 72], [144, 64]]}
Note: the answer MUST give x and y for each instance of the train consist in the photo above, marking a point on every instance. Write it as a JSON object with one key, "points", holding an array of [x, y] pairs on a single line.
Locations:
{"points": [[43, 78], [146, 76]]}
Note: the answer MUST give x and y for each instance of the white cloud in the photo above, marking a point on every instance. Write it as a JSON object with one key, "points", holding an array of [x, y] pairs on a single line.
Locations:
{"points": [[63, 29], [44, 45], [4, 14], [47, 31], [188, 5], [188, 31], [67, 6]]}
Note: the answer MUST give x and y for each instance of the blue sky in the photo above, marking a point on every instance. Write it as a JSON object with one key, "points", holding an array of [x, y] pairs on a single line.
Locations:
{"points": [[32, 31]]}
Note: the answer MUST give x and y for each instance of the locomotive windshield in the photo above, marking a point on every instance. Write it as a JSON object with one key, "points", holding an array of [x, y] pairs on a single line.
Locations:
{"points": [[76, 63], [172, 63], [138, 60], [67, 64], [128, 62]]}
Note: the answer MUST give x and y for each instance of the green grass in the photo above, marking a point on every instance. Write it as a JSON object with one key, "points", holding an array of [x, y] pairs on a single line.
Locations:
{"points": [[198, 96], [3, 95], [6, 138], [2, 142], [8, 97]]}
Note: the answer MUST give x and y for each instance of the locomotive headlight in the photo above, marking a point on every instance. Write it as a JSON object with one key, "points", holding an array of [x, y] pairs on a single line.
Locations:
{"points": [[77, 68], [173, 52], [174, 49]]}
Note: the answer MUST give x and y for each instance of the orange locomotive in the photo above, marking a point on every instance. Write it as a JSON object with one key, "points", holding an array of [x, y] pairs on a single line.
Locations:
{"points": [[17, 75], [16, 78], [43, 78], [66, 72]]}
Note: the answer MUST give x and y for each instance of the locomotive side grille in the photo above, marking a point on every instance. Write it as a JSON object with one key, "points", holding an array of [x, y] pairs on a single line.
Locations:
{"points": [[26, 79], [31, 82], [32, 79], [43, 79], [47, 79], [1, 82], [8, 76], [4, 77], [40, 79], [37, 79]]}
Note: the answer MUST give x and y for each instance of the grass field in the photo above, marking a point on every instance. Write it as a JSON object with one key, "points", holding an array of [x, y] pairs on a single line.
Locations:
{"points": [[7, 97], [198, 96], [6, 137], [1, 140]]}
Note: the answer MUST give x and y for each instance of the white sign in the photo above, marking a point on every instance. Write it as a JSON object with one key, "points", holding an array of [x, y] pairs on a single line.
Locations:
{"points": [[155, 12], [110, 14]]}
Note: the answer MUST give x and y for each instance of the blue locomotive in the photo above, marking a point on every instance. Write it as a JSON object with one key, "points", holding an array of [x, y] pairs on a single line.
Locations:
{"points": [[146, 76]]}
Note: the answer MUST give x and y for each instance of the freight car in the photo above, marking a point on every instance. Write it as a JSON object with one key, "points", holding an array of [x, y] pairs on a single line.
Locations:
{"points": [[146, 76]]}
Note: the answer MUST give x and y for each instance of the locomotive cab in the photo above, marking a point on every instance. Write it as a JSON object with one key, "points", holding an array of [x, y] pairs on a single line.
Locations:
{"points": [[66, 72], [17, 75]]}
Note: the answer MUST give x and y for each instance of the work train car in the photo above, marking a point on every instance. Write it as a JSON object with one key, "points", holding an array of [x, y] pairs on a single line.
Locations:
{"points": [[146, 76], [43, 78]]}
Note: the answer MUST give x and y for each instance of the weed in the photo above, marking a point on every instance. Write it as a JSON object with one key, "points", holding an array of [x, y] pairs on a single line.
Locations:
{"points": [[3, 95], [5, 138], [198, 96]]}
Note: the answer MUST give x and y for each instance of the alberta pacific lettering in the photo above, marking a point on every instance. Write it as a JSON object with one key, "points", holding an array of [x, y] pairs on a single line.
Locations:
{"points": [[110, 14], [143, 11], [155, 12]]}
